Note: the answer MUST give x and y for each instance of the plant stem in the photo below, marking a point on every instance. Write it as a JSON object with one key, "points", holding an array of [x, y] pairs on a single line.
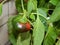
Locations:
{"points": [[31, 23], [22, 5], [33, 13], [23, 13]]}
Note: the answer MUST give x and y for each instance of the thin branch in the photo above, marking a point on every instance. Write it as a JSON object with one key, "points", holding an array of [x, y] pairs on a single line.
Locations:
{"points": [[22, 5], [23, 13]]}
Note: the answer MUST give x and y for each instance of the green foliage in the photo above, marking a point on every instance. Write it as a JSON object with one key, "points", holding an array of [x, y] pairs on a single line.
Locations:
{"points": [[38, 32], [10, 29], [50, 37], [19, 41], [32, 16], [56, 14], [54, 2], [43, 31], [18, 5], [41, 12], [12, 39], [58, 42], [32, 5], [23, 39], [0, 8]]}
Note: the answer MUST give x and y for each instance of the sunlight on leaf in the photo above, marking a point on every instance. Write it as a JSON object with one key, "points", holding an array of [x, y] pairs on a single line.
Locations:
{"points": [[32, 5], [32, 17], [56, 14], [19, 40], [38, 32], [54, 2], [50, 37], [42, 12]]}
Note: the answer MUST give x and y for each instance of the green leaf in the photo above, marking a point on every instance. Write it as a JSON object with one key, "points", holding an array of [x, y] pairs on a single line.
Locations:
{"points": [[10, 29], [54, 2], [18, 5], [19, 41], [57, 24], [32, 16], [58, 42], [12, 39], [38, 32], [0, 9], [10, 24], [44, 9], [23, 20], [41, 12], [58, 32], [44, 21], [43, 4], [42, 15], [32, 5], [51, 36], [23, 39], [56, 14]]}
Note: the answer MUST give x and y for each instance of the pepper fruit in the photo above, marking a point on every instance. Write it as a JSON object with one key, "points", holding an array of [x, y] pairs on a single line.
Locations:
{"points": [[28, 26], [21, 24], [23, 27]]}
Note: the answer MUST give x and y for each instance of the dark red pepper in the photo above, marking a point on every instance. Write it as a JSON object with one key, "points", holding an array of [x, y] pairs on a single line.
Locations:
{"points": [[23, 27], [28, 26]]}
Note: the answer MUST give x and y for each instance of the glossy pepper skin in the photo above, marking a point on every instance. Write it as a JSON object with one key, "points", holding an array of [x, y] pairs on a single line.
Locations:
{"points": [[24, 27], [20, 26], [28, 26]]}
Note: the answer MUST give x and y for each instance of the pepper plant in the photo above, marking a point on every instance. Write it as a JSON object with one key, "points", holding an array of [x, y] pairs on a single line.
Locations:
{"points": [[36, 23]]}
